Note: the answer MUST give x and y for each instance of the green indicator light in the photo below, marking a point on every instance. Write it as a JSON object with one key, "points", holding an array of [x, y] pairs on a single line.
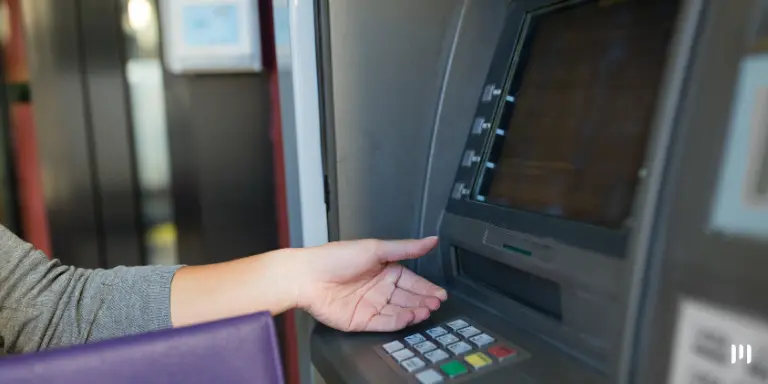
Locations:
{"points": [[521, 251]]}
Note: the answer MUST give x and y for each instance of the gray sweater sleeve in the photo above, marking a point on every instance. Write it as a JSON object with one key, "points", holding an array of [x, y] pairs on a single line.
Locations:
{"points": [[44, 304]]}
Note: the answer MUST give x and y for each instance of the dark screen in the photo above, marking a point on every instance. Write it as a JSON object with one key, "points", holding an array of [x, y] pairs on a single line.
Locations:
{"points": [[579, 108]]}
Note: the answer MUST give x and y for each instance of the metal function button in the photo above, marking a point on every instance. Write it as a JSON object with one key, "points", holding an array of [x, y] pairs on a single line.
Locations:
{"points": [[459, 348], [415, 339], [424, 347], [447, 339], [413, 364], [481, 339], [457, 324], [403, 354], [436, 355], [468, 331], [436, 332], [430, 376], [393, 346]]}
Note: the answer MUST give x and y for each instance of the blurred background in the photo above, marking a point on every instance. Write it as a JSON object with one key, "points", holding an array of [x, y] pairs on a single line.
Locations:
{"points": [[108, 159]]}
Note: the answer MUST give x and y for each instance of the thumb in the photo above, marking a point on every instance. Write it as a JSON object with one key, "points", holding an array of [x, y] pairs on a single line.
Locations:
{"points": [[388, 251]]}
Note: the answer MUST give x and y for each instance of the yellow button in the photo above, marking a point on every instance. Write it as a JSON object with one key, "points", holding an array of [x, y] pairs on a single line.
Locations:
{"points": [[478, 360]]}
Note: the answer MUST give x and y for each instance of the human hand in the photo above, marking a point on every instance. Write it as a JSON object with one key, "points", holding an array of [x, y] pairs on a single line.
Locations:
{"points": [[360, 286]]}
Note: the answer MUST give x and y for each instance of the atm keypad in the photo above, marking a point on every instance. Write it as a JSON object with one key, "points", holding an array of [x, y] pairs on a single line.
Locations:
{"points": [[451, 351]]}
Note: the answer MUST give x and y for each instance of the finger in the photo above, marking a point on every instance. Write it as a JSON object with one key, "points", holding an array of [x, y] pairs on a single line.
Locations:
{"points": [[387, 323], [419, 315], [414, 283], [407, 299], [395, 250]]}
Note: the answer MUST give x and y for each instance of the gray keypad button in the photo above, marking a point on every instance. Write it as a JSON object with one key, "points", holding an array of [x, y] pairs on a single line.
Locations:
{"points": [[424, 347], [468, 331], [436, 332], [459, 348], [403, 354], [413, 364], [415, 339], [481, 339], [447, 339], [457, 324], [393, 346], [430, 376], [436, 355]]}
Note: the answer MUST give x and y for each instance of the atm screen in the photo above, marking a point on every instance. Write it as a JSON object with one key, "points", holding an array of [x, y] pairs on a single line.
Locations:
{"points": [[579, 105]]}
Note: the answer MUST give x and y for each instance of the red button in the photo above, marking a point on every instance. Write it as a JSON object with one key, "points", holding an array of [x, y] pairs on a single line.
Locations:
{"points": [[502, 352]]}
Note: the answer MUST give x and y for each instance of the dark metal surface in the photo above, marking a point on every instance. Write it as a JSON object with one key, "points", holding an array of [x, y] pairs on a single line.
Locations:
{"points": [[388, 62], [470, 57], [55, 63], [691, 259]]}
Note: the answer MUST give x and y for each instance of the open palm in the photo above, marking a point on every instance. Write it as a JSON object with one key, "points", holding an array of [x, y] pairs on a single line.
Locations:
{"points": [[360, 286]]}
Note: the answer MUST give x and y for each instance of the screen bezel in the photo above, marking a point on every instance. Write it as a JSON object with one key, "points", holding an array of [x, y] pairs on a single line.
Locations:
{"points": [[604, 240]]}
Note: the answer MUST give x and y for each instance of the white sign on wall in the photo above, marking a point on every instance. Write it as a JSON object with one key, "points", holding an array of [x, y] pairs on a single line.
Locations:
{"points": [[211, 36]]}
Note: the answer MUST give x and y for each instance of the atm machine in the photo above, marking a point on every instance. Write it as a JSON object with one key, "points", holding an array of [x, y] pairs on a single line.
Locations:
{"points": [[600, 201]]}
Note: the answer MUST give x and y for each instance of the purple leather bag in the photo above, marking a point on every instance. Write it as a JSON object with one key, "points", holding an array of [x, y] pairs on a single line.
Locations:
{"points": [[233, 351]]}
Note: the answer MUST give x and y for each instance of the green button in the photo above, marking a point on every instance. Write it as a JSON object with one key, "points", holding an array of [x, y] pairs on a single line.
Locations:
{"points": [[453, 368]]}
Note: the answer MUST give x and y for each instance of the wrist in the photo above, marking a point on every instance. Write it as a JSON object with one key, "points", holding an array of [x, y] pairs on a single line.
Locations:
{"points": [[287, 276]]}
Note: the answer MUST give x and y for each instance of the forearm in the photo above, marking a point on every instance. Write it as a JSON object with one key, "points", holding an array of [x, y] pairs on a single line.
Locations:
{"points": [[44, 304], [252, 284]]}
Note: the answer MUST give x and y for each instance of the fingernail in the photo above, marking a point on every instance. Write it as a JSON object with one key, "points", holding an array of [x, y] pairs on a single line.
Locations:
{"points": [[442, 294]]}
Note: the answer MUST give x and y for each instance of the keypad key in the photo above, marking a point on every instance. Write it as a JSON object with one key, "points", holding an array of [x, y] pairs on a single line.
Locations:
{"points": [[430, 376], [436, 332], [436, 355], [478, 360], [447, 339], [403, 354], [453, 369], [415, 339], [413, 364], [459, 348], [393, 346], [468, 331], [457, 324], [424, 347], [502, 352], [481, 339]]}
